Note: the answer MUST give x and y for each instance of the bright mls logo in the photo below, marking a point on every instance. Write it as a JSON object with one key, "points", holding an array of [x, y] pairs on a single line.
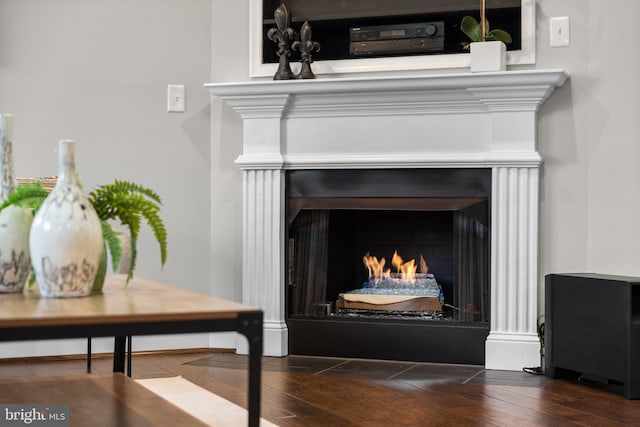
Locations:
{"points": [[34, 415]]}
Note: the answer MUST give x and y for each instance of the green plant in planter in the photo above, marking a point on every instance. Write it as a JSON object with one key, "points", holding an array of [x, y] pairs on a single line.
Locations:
{"points": [[125, 201], [480, 31], [129, 203]]}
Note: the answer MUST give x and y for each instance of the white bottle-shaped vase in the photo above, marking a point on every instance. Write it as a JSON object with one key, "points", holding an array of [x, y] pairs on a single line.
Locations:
{"points": [[15, 221], [66, 236]]}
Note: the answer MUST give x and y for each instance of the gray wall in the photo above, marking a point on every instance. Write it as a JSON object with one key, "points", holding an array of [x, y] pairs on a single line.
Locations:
{"points": [[96, 71], [589, 136]]}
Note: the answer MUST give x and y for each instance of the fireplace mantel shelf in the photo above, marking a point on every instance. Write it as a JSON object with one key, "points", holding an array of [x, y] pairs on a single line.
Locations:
{"points": [[450, 81], [385, 95], [470, 120]]}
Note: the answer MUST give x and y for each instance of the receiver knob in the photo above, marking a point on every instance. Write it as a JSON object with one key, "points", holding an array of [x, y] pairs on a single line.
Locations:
{"points": [[431, 30]]}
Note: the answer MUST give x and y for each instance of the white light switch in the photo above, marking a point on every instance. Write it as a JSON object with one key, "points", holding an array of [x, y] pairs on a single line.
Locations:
{"points": [[175, 98], [559, 31]]}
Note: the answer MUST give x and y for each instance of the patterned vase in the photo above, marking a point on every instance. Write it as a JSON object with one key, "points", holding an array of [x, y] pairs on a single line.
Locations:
{"points": [[66, 237], [15, 221]]}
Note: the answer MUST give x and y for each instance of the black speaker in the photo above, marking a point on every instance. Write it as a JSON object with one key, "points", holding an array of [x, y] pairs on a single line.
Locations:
{"points": [[592, 328]]}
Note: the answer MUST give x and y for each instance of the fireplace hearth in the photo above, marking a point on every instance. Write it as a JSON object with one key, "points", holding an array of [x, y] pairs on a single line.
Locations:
{"points": [[424, 122]]}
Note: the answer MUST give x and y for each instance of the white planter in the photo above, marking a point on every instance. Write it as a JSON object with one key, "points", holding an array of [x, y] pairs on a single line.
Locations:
{"points": [[15, 221], [66, 236], [488, 56]]}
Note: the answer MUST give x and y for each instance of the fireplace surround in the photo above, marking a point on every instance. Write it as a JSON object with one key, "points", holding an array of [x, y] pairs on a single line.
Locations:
{"points": [[485, 120]]}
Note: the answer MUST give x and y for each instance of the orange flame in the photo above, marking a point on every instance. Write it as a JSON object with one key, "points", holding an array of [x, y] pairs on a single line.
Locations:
{"points": [[424, 268], [406, 271], [376, 267]]}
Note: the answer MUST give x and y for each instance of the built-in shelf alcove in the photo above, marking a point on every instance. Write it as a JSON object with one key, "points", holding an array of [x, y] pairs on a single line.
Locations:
{"points": [[332, 21], [419, 48]]}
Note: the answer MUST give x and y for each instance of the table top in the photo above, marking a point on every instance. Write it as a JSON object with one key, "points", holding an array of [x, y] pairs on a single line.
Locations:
{"points": [[140, 300], [97, 400]]}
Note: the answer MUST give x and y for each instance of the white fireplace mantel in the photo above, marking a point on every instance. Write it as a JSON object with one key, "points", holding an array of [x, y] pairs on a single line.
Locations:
{"points": [[485, 120]]}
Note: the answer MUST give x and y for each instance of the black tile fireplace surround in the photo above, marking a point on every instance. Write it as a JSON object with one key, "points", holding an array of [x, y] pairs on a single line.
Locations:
{"points": [[415, 211]]}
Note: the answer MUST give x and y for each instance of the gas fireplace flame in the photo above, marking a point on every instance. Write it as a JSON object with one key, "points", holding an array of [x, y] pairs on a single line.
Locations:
{"points": [[376, 267], [405, 271]]}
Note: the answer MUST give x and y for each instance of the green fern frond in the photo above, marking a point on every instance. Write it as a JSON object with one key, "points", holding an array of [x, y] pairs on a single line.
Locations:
{"points": [[120, 189], [27, 195], [134, 256], [114, 245], [159, 231]]}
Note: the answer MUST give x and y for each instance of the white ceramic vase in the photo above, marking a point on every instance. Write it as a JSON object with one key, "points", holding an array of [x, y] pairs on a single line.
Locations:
{"points": [[66, 237], [15, 221]]}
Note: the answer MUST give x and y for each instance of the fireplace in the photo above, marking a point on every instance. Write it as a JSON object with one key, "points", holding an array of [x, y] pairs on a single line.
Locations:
{"points": [[388, 264], [432, 123]]}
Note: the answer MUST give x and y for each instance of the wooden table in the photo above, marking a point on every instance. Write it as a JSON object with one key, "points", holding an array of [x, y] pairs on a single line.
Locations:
{"points": [[97, 400], [143, 307]]}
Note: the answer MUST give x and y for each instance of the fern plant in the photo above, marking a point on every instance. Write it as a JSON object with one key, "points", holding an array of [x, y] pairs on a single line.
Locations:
{"points": [[125, 201], [129, 203]]}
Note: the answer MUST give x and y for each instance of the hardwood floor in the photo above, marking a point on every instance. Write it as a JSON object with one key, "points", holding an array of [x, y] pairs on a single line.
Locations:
{"points": [[308, 391]]}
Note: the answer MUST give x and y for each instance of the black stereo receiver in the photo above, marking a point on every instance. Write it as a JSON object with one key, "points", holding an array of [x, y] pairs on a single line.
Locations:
{"points": [[421, 37]]}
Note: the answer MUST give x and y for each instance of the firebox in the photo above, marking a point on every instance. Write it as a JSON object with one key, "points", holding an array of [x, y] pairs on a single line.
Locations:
{"points": [[389, 263]]}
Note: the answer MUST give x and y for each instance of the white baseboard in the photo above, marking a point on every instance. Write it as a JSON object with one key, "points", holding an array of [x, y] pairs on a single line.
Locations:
{"points": [[275, 340], [101, 345], [512, 352]]}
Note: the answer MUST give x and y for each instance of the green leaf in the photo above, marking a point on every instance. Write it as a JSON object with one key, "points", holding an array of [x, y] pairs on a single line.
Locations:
{"points": [[471, 28], [499, 35], [26, 195], [32, 277], [114, 245]]}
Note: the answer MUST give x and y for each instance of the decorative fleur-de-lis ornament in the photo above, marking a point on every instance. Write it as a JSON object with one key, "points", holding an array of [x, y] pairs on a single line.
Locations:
{"points": [[283, 35], [306, 47]]}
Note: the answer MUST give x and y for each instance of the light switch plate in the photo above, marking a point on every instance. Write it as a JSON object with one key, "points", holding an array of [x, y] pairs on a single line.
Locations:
{"points": [[559, 34], [175, 99]]}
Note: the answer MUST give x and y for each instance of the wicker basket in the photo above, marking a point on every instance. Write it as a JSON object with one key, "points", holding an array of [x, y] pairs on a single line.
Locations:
{"points": [[48, 182]]}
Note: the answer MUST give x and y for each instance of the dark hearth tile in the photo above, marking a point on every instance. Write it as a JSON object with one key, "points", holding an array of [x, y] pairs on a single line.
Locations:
{"points": [[370, 369], [438, 370], [302, 364]]}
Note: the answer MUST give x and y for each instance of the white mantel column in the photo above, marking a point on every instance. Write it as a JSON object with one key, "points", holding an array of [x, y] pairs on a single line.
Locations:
{"points": [[513, 342], [263, 217]]}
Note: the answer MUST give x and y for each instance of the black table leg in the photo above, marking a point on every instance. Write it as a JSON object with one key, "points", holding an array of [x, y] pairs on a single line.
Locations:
{"points": [[250, 325], [88, 355], [118, 354], [129, 350]]}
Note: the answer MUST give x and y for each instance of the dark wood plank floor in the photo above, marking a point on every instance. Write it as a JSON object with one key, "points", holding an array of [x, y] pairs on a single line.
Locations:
{"points": [[308, 391]]}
